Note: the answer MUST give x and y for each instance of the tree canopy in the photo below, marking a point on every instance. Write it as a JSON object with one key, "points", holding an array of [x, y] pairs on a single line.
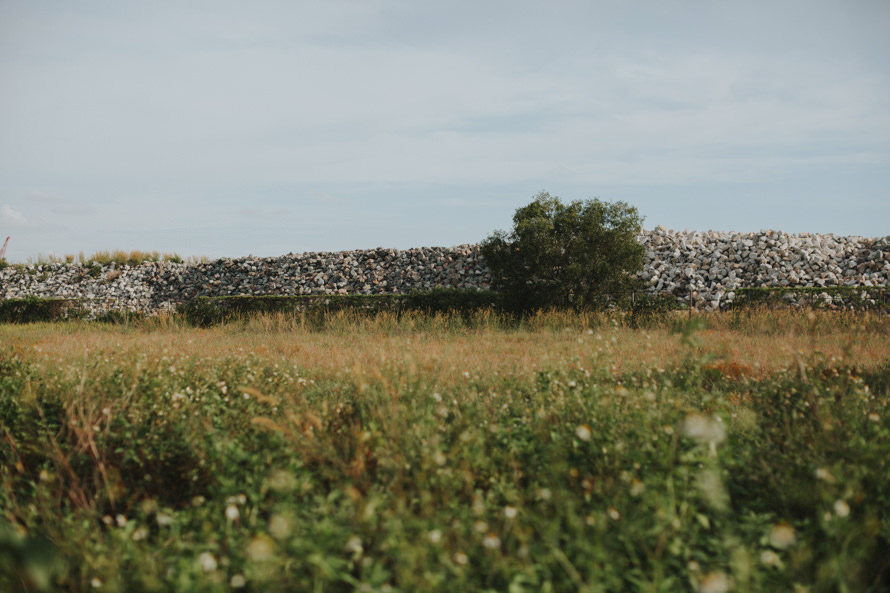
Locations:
{"points": [[566, 255]]}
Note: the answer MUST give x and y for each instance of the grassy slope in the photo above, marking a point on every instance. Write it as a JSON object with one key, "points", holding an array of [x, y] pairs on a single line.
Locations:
{"points": [[421, 453]]}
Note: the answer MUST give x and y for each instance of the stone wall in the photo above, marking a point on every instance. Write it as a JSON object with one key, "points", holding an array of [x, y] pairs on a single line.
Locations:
{"points": [[711, 264]]}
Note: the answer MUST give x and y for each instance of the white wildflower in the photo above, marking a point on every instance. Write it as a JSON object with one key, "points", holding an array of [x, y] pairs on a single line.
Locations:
{"points": [[714, 582], [782, 536], [207, 561], [769, 558], [237, 581], [354, 546], [260, 548], [491, 541], [280, 527], [704, 429], [841, 508]]}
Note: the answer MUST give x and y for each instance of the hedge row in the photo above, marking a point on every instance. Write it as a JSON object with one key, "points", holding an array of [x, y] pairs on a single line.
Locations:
{"points": [[855, 297], [206, 311]]}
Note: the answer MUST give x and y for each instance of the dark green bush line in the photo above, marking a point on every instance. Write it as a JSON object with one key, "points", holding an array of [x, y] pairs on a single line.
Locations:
{"points": [[33, 309], [875, 297], [206, 311]]}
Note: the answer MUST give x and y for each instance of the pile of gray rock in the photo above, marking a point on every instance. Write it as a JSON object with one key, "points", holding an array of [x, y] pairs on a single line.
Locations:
{"points": [[709, 265]]}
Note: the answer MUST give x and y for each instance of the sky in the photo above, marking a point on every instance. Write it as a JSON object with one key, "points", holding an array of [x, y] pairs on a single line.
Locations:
{"points": [[226, 128]]}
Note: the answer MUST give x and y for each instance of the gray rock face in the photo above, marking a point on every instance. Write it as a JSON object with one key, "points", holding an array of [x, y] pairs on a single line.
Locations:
{"points": [[710, 264]]}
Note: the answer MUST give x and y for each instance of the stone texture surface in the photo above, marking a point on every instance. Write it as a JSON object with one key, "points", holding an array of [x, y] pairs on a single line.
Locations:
{"points": [[709, 264]]}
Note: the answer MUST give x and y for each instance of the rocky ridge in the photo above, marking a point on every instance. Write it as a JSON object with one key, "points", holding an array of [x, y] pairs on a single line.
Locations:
{"points": [[708, 264]]}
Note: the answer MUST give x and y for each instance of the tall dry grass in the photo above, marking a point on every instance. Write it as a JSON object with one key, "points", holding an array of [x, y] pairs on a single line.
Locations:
{"points": [[451, 347]]}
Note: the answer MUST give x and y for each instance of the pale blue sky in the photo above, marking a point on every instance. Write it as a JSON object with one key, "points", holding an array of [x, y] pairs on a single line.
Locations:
{"points": [[225, 128]]}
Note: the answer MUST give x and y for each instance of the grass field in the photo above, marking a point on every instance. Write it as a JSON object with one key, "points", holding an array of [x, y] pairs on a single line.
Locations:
{"points": [[569, 452]]}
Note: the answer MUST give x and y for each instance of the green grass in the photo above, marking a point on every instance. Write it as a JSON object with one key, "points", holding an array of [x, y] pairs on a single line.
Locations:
{"points": [[446, 454]]}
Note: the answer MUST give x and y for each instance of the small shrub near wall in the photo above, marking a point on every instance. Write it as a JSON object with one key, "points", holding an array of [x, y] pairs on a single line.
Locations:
{"points": [[31, 310], [206, 311]]}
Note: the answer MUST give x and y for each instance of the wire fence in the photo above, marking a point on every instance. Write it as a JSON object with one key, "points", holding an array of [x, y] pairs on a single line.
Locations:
{"points": [[827, 297]]}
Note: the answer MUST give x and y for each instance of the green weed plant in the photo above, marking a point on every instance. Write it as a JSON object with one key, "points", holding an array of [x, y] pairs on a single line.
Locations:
{"points": [[138, 471]]}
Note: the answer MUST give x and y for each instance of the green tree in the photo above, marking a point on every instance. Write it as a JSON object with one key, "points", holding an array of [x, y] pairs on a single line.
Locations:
{"points": [[566, 255]]}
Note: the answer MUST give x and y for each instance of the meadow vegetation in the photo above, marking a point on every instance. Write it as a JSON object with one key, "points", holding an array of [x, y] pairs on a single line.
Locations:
{"points": [[349, 451], [118, 256]]}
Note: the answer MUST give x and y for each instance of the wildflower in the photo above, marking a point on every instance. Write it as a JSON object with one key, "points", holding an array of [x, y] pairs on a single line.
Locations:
{"points": [[491, 541], [781, 536], [164, 519], [279, 527], [874, 417], [461, 558], [583, 432], [714, 582], [96, 582], [824, 475], [510, 512], [637, 487], [120, 520], [140, 533], [613, 513], [841, 508], [440, 458], [232, 513], [237, 581], [544, 493], [769, 558], [260, 548], [354, 545], [480, 526], [435, 536], [207, 561], [704, 429]]}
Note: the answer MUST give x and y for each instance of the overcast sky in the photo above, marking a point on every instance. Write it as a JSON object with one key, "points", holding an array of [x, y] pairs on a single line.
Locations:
{"points": [[231, 128]]}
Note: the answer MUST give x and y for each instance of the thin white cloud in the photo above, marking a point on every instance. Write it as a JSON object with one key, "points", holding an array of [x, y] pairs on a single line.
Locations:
{"points": [[62, 206], [12, 219]]}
